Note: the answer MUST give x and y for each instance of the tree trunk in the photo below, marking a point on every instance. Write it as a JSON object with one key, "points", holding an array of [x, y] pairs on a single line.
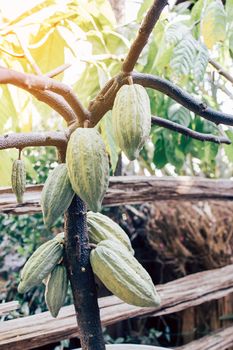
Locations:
{"points": [[81, 277]]}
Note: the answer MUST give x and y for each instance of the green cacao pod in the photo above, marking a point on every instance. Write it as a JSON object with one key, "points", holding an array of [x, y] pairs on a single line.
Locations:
{"points": [[41, 263], [123, 275], [131, 117], [57, 194], [101, 227], [88, 166], [56, 289], [18, 179]]}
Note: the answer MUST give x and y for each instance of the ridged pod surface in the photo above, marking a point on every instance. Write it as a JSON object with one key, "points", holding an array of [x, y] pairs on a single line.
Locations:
{"points": [[101, 227], [18, 179], [131, 117], [41, 263], [123, 275], [56, 195], [88, 166], [56, 289]]}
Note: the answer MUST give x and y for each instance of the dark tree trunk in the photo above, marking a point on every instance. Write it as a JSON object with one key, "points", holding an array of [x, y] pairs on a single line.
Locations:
{"points": [[81, 277]]}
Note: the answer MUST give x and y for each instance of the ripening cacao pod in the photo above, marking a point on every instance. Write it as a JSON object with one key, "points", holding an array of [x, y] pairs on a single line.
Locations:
{"points": [[131, 117], [88, 166], [56, 289], [18, 179], [41, 263], [101, 227], [57, 194], [123, 275]]}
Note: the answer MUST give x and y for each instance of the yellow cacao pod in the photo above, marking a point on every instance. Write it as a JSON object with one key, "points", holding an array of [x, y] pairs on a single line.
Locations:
{"points": [[131, 117], [123, 275], [101, 227], [88, 166], [57, 194], [18, 179], [56, 289], [41, 263]]}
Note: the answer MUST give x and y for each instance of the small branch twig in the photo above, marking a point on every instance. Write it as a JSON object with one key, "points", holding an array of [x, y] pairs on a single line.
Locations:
{"points": [[143, 35], [221, 70], [21, 140], [168, 124], [58, 70]]}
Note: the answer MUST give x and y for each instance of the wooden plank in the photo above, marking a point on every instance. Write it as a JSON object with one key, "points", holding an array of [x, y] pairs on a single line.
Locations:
{"points": [[218, 340], [40, 329], [7, 307], [133, 190]]}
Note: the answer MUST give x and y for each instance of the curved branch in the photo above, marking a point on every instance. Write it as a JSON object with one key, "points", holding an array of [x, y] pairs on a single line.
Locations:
{"points": [[182, 97], [143, 35], [31, 139], [41, 83], [168, 124]]}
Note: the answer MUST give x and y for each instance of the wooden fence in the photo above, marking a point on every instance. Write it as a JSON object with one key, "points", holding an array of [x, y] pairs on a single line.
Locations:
{"points": [[41, 329]]}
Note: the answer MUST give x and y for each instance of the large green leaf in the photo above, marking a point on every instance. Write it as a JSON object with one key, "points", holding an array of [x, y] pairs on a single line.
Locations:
{"points": [[183, 56], [213, 24], [201, 63], [179, 114]]}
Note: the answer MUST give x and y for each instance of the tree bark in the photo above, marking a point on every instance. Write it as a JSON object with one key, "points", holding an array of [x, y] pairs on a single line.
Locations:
{"points": [[81, 277]]}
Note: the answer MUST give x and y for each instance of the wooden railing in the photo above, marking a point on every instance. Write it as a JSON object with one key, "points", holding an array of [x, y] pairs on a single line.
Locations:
{"points": [[41, 329], [133, 190]]}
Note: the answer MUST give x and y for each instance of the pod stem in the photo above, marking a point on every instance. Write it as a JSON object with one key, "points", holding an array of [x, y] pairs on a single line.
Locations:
{"points": [[77, 252]]}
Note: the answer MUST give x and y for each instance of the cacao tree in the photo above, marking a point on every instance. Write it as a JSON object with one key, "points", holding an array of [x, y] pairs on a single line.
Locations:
{"points": [[81, 179]]}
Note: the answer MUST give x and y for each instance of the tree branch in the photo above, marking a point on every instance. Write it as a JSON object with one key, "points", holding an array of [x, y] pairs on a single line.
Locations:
{"points": [[221, 70], [21, 140], [182, 97], [168, 124], [32, 82], [143, 35]]}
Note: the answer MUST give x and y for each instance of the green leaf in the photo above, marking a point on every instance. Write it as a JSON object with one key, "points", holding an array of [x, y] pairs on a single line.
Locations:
{"points": [[201, 63], [6, 160], [229, 10], [159, 159], [109, 139], [51, 53], [213, 24], [196, 10], [183, 56], [179, 114], [175, 33], [229, 148], [143, 9]]}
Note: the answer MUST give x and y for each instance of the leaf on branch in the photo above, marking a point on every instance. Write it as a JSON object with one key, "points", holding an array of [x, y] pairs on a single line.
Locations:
{"points": [[179, 114], [175, 33], [201, 63], [183, 55], [213, 24]]}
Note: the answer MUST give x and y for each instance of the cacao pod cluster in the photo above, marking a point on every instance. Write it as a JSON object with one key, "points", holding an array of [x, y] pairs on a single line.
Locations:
{"points": [[114, 264], [45, 265]]}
